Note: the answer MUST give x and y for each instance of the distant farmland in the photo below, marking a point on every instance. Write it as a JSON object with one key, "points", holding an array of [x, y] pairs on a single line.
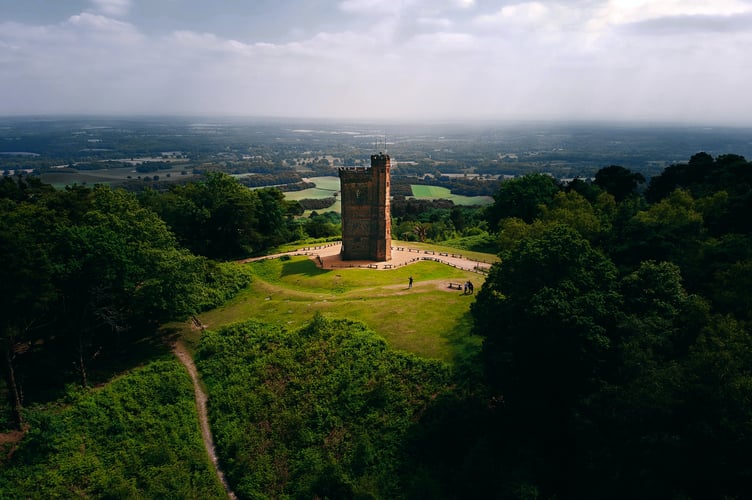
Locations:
{"points": [[423, 192], [326, 187], [113, 176]]}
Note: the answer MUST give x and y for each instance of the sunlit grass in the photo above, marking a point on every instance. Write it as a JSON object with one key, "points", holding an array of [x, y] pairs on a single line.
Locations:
{"points": [[421, 191], [325, 188], [429, 320]]}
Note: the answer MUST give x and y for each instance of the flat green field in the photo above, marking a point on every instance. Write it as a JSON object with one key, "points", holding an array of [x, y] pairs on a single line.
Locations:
{"points": [[66, 177], [325, 188], [429, 320], [436, 192]]}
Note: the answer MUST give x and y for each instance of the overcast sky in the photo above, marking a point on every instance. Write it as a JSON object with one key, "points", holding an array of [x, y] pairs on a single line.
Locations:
{"points": [[658, 61]]}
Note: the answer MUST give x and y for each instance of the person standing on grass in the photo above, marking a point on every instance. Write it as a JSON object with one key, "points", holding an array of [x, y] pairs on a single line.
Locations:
{"points": [[410, 282]]}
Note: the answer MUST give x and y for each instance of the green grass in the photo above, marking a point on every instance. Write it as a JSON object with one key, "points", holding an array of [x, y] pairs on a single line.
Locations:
{"points": [[436, 192], [325, 188], [428, 320], [439, 248], [327, 183]]}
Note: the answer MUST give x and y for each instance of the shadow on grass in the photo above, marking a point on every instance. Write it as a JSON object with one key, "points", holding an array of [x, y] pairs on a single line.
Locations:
{"points": [[466, 347], [301, 268]]}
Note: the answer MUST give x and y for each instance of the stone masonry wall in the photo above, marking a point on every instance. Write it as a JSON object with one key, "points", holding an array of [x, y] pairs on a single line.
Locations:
{"points": [[366, 218]]}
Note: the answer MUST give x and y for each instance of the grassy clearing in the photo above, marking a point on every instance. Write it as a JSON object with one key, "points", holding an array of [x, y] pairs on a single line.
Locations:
{"points": [[429, 320]]}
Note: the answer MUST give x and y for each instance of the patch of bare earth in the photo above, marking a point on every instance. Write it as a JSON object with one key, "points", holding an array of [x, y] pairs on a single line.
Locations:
{"points": [[9, 443]]}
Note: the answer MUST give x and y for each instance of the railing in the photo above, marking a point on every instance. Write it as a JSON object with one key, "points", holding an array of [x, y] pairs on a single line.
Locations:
{"points": [[426, 255]]}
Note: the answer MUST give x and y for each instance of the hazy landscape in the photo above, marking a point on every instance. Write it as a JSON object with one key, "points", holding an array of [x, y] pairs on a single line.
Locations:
{"points": [[566, 313], [132, 245], [109, 150]]}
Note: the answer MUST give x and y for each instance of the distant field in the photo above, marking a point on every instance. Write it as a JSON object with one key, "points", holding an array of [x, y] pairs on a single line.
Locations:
{"points": [[66, 177], [436, 192], [327, 186]]}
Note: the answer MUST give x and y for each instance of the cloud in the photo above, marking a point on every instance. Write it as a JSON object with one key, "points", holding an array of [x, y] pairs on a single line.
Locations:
{"points": [[692, 24], [624, 12], [98, 23], [423, 60], [117, 8]]}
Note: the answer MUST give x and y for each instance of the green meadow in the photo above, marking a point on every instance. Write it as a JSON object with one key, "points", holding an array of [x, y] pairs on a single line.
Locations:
{"points": [[325, 188], [422, 192], [429, 320]]}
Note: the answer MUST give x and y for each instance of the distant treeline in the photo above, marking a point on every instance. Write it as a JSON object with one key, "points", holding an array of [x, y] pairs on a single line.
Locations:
{"points": [[318, 203]]}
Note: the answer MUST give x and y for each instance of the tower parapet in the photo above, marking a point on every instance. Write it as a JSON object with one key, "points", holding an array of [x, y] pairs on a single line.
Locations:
{"points": [[366, 217]]}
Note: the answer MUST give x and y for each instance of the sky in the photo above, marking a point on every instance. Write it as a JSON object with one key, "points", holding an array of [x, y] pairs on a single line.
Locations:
{"points": [[659, 61]]}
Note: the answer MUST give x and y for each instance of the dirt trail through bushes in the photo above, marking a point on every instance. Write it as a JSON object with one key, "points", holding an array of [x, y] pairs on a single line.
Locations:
{"points": [[201, 398]]}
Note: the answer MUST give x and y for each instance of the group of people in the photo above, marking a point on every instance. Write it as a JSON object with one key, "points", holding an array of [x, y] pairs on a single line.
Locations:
{"points": [[468, 286]]}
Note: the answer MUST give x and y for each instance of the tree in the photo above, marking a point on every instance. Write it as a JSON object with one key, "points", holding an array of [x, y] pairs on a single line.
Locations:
{"points": [[421, 231], [27, 292], [521, 197], [618, 181], [117, 265], [577, 212], [670, 230], [585, 188], [546, 313], [220, 218], [272, 228]]}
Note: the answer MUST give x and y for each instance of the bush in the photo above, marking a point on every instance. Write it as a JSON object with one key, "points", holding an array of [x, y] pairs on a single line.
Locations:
{"points": [[321, 412], [138, 437]]}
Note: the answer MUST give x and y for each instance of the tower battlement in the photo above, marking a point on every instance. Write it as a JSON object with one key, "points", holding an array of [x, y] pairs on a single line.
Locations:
{"points": [[366, 217]]}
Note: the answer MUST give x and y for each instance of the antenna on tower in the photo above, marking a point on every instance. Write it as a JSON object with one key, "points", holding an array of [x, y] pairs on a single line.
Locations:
{"points": [[385, 151]]}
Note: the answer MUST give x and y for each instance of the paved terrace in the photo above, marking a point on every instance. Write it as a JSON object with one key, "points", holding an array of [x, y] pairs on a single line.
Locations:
{"points": [[328, 256]]}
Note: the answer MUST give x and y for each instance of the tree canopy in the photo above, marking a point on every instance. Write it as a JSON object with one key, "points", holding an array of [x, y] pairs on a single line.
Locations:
{"points": [[83, 270], [617, 349]]}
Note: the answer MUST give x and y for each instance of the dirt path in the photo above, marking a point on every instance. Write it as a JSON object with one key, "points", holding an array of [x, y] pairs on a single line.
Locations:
{"points": [[203, 418]]}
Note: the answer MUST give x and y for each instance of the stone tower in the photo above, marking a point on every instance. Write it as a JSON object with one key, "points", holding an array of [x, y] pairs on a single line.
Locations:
{"points": [[366, 219]]}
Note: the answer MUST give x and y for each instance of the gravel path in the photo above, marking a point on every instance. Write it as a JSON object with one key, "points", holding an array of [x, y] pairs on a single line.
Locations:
{"points": [[327, 256]]}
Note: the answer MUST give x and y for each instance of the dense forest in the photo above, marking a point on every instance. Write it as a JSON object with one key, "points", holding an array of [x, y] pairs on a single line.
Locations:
{"points": [[86, 271], [616, 358], [617, 353]]}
